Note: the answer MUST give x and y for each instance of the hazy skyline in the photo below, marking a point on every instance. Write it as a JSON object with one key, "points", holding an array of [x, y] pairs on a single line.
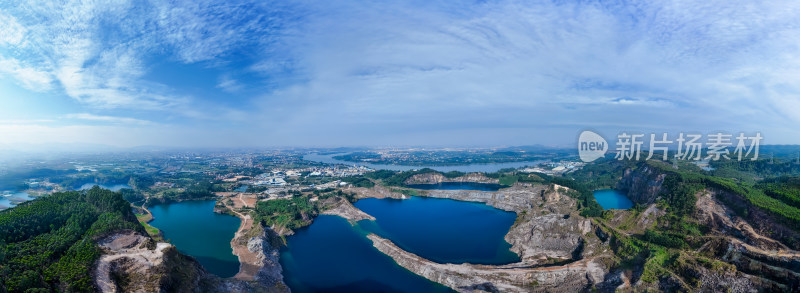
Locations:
{"points": [[368, 73]]}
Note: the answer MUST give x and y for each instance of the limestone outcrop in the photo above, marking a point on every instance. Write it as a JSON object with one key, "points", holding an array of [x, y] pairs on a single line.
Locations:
{"points": [[573, 277], [436, 178]]}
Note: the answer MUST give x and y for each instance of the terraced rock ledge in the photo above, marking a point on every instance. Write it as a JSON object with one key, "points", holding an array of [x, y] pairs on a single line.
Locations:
{"points": [[573, 277]]}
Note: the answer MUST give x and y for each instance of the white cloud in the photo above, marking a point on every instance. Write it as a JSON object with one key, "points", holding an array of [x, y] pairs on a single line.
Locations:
{"points": [[98, 51], [12, 32], [28, 77], [108, 119], [229, 84], [382, 67]]}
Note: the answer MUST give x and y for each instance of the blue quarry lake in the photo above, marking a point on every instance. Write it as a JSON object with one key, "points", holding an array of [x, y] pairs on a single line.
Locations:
{"points": [[194, 228], [442, 230], [612, 199], [331, 255], [459, 186]]}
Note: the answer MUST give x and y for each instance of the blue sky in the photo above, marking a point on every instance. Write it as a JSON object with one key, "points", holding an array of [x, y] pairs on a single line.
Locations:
{"points": [[386, 73]]}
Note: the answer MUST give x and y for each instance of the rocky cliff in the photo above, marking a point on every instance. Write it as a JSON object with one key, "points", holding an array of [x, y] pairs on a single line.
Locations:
{"points": [[346, 210], [266, 247], [377, 191], [764, 261], [574, 277], [641, 184], [436, 178], [516, 198], [132, 262]]}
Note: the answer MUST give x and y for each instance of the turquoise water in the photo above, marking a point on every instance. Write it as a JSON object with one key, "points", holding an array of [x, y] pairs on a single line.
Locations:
{"points": [[442, 230], [112, 187], [330, 255], [194, 228], [459, 186], [612, 199]]}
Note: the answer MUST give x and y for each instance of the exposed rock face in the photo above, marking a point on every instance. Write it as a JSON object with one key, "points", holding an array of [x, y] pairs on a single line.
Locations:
{"points": [[267, 249], [718, 208], [763, 261], [436, 178], [135, 263], [719, 217], [346, 210], [516, 198], [574, 277], [539, 238], [129, 253], [642, 185], [377, 191], [756, 269]]}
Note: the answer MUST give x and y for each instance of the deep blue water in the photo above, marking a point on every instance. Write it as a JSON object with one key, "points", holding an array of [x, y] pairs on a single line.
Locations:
{"points": [[459, 186], [612, 199], [330, 255], [194, 228], [442, 230]]}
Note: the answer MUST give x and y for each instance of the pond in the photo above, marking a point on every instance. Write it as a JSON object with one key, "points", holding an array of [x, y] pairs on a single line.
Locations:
{"points": [[612, 199]]}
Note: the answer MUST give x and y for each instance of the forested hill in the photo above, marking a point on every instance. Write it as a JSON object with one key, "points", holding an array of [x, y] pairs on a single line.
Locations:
{"points": [[48, 244]]}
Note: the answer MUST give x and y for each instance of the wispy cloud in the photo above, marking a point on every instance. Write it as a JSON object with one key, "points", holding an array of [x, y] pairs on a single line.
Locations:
{"points": [[108, 119], [98, 51], [712, 65], [12, 32], [29, 77], [229, 84]]}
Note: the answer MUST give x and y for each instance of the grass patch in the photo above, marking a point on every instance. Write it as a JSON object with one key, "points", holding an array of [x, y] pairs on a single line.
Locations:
{"points": [[152, 231], [409, 192]]}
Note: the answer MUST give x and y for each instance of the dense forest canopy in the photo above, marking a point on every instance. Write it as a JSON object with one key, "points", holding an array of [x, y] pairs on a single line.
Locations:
{"points": [[48, 244]]}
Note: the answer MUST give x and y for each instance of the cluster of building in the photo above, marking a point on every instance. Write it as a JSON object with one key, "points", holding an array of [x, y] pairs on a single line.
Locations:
{"points": [[552, 168], [338, 171], [270, 179]]}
